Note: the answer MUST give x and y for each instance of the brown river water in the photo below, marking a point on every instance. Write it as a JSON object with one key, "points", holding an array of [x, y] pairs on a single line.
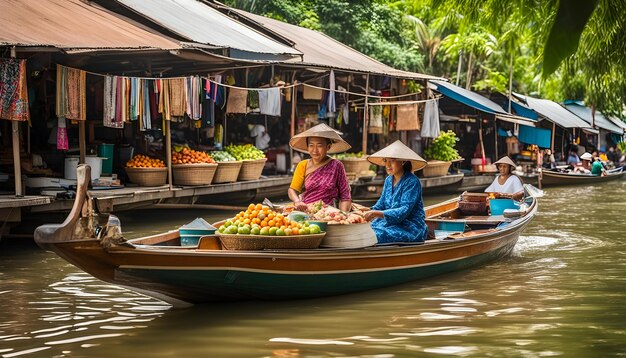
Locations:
{"points": [[561, 293]]}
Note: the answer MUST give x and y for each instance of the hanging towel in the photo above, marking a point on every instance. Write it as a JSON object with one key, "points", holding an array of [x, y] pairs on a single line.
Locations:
{"points": [[178, 99], [146, 115], [76, 94], [237, 99], [269, 101], [13, 90], [253, 100], [430, 124], [375, 120], [311, 93], [407, 118], [194, 109], [62, 140], [110, 103], [332, 106]]}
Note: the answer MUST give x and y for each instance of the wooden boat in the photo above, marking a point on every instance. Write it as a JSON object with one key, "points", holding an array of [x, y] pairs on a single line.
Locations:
{"points": [[554, 178], [159, 267]]}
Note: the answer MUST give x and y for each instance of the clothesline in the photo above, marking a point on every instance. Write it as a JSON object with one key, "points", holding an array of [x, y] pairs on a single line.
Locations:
{"points": [[401, 103], [296, 84]]}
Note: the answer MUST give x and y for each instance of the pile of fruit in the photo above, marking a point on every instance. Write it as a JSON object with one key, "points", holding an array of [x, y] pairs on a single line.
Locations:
{"points": [[245, 152], [190, 156], [261, 220], [349, 155], [222, 156], [442, 148], [143, 161], [334, 216]]}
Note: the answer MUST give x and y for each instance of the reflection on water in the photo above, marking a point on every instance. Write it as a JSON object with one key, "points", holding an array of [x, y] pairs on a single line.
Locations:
{"points": [[561, 293]]}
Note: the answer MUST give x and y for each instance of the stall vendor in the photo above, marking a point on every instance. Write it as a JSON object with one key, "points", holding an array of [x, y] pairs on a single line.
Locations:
{"points": [[506, 184], [398, 216], [321, 177]]}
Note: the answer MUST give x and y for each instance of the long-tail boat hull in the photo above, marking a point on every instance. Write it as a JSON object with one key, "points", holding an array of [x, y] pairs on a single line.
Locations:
{"points": [[554, 178], [204, 273]]}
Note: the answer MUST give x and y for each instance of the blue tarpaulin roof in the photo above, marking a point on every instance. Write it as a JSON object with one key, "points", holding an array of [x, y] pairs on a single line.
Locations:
{"points": [[468, 98], [600, 121], [524, 111], [539, 136]]}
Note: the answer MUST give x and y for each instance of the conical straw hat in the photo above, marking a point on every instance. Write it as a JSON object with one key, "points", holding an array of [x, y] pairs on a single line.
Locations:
{"points": [[586, 156], [505, 160], [338, 145], [397, 150]]}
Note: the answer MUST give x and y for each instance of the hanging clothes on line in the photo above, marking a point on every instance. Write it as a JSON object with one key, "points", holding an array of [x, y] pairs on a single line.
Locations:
{"points": [[110, 118], [407, 118], [208, 104], [178, 98], [193, 88], [253, 101], [62, 140], [332, 106], [76, 95], [430, 124], [13, 90], [270, 101], [237, 99], [375, 120], [145, 114]]}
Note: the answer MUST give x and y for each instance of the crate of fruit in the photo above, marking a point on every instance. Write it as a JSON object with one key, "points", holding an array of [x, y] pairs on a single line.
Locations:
{"points": [[145, 171]]}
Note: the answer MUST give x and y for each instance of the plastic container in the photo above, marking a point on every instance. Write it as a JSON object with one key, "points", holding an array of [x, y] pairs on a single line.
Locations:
{"points": [[105, 151], [191, 233], [452, 226], [497, 206], [72, 162]]}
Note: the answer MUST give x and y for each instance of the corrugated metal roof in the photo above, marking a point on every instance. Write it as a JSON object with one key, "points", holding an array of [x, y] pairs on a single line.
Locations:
{"points": [[600, 121], [554, 112], [618, 122], [321, 50], [73, 24], [200, 23]]}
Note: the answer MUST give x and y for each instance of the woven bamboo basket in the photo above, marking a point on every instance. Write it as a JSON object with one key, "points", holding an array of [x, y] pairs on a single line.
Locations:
{"points": [[349, 236], [147, 176], [193, 174], [257, 242], [251, 169], [355, 165], [227, 172], [436, 168]]}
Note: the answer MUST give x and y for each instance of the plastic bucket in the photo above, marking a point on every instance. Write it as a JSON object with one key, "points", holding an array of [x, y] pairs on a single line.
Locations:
{"points": [[498, 206], [72, 162], [105, 151]]}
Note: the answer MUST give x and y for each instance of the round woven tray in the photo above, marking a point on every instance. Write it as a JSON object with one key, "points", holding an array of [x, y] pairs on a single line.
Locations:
{"points": [[193, 174], [251, 169], [256, 242], [147, 176], [355, 165], [227, 172]]}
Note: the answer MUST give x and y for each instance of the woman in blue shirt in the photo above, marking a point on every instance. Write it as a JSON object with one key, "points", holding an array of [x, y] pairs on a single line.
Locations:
{"points": [[398, 216]]}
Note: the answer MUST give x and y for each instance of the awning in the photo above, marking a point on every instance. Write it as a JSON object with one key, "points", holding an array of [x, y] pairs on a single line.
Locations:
{"points": [[618, 122], [540, 136], [524, 111], [554, 112], [600, 121], [516, 119], [74, 25], [203, 24], [320, 50]]}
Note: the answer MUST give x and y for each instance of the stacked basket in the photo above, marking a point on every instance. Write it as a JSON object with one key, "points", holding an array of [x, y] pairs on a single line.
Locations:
{"points": [[227, 172], [147, 176], [193, 174], [251, 169]]}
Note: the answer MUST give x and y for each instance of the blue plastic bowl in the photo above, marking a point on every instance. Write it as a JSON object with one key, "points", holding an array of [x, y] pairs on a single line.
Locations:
{"points": [[498, 206]]}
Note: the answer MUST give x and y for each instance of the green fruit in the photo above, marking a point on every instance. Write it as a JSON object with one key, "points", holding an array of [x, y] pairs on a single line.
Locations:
{"points": [[221, 229], [265, 231], [255, 231], [305, 231], [244, 230], [273, 231], [232, 230], [288, 232], [314, 229], [280, 232], [228, 223]]}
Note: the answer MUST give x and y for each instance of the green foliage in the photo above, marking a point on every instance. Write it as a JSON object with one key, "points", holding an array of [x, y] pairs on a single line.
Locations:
{"points": [[442, 148]]}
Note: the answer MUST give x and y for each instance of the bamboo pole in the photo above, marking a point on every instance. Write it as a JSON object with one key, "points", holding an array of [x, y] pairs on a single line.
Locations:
{"points": [[495, 127], [366, 114], [553, 134], [17, 162], [168, 153], [292, 130]]}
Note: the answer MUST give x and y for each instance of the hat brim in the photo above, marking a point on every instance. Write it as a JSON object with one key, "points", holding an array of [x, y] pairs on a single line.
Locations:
{"points": [[338, 145], [398, 150], [505, 160], [415, 164]]}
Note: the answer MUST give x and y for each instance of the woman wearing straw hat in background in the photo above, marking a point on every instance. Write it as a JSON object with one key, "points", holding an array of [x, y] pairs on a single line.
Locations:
{"points": [[321, 177], [506, 184], [398, 216]]}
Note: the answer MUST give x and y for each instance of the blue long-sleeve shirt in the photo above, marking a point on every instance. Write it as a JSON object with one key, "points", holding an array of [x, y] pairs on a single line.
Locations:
{"points": [[403, 211]]}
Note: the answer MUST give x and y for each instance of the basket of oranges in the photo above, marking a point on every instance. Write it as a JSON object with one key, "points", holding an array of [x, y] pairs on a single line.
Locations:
{"points": [[260, 228], [145, 171], [192, 167]]}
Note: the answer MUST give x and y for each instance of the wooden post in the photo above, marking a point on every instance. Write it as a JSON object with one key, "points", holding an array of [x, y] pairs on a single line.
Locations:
{"points": [[366, 114], [495, 127], [82, 144], [553, 134], [292, 130], [17, 162], [168, 153]]}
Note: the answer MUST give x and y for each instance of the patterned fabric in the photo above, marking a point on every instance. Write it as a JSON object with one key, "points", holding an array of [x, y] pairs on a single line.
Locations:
{"points": [[403, 209], [76, 94], [62, 140], [326, 183], [13, 90]]}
